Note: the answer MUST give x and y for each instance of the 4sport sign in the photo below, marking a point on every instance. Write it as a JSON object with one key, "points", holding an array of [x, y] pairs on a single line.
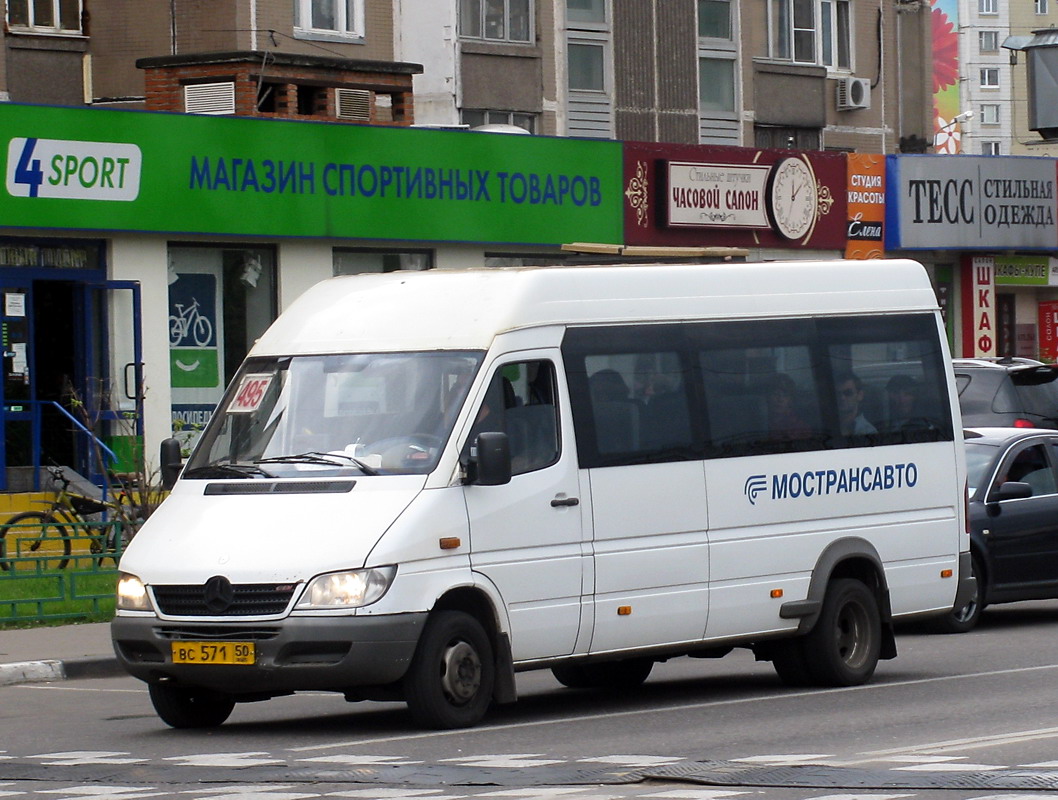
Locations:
{"points": [[107, 170], [73, 170]]}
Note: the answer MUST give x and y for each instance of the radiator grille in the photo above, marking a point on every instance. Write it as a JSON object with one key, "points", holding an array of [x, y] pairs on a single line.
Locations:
{"points": [[247, 600]]}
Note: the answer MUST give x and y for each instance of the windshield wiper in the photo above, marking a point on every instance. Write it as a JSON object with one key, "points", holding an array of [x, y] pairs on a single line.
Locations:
{"points": [[220, 470], [316, 457]]}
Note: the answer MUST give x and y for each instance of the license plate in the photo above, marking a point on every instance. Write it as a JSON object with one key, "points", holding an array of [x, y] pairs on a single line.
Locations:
{"points": [[213, 652]]}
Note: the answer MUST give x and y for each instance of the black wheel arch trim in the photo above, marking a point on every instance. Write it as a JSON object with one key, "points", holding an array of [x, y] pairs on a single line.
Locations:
{"points": [[843, 551]]}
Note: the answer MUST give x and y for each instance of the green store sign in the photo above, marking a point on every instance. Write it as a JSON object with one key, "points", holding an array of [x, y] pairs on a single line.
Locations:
{"points": [[1025, 271], [93, 169]]}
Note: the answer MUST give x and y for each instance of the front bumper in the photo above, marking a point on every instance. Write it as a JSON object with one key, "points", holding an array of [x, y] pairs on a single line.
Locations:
{"points": [[298, 653]]}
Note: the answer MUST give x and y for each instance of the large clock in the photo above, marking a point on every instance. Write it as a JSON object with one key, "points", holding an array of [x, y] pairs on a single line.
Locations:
{"points": [[793, 198]]}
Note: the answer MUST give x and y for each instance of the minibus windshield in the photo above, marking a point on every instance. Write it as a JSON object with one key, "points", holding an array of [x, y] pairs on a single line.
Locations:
{"points": [[326, 415]]}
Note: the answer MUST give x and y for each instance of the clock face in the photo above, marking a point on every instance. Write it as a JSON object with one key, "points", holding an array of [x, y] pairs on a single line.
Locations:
{"points": [[794, 198]]}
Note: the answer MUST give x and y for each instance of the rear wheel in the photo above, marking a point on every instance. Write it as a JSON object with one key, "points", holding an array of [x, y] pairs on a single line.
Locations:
{"points": [[449, 683], [181, 707], [842, 649], [34, 541], [626, 674]]}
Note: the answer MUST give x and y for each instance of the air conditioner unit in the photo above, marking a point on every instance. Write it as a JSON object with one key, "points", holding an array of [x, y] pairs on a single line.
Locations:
{"points": [[353, 104], [210, 98], [854, 94]]}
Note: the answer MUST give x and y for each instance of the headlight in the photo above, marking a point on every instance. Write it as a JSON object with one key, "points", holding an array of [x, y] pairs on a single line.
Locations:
{"points": [[353, 589], [132, 594]]}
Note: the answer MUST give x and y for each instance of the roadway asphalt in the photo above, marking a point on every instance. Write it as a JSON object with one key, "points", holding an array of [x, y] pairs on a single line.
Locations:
{"points": [[56, 653]]}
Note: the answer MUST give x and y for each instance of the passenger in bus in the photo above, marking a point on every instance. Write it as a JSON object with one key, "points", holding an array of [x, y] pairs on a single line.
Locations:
{"points": [[784, 423], [902, 395], [850, 400]]}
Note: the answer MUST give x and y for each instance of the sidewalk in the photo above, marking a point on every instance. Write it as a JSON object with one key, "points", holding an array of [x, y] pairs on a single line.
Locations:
{"points": [[57, 653]]}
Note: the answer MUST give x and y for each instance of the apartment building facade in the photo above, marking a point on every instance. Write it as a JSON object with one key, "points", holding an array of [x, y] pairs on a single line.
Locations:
{"points": [[821, 74]]}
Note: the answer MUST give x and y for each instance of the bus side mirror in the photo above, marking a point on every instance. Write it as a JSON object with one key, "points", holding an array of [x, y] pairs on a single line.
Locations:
{"points": [[493, 459], [172, 462]]}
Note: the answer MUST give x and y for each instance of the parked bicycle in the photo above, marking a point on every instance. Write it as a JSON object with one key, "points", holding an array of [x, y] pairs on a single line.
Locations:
{"points": [[43, 540]]}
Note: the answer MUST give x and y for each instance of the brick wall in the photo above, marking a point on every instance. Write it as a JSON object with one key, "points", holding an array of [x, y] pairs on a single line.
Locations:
{"points": [[300, 92]]}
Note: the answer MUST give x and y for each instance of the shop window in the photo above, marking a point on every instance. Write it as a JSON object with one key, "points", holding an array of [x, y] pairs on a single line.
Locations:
{"points": [[221, 299], [350, 261], [45, 16]]}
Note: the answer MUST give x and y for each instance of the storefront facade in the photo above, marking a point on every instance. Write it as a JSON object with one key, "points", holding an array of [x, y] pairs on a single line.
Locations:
{"points": [[141, 254], [986, 228]]}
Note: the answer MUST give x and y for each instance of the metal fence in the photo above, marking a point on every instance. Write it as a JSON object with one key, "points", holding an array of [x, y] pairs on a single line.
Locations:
{"points": [[49, 578]]}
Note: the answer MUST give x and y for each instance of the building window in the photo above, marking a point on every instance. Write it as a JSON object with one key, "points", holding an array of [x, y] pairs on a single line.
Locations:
{"points": [[988, 41], [990, 113], [587, 67], [1041, 6], [49, 16], [589, 11], [714, 19], [475, 117], [990, 148], [716, 84], [344, 18], [811, 31], [496, 20], [987, 7], [990, 78]]}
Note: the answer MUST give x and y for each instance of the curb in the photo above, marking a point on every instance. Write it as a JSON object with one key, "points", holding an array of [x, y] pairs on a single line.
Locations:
{"points": [[51, 670]]}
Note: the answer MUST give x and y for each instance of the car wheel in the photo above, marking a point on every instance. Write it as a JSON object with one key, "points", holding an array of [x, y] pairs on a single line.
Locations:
{"points": [[962, 620], [449, 683], [843, 647]]}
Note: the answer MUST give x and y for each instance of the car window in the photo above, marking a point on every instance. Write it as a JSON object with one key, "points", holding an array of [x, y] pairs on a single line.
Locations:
{"points": [[979, 459], [1040, 400], [1032, 466]]}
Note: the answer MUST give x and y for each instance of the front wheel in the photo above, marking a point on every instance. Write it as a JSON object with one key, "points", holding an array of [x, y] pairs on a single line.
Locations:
{"points": [[34, 541], [450, 680], [842, 649], [181, 707]]}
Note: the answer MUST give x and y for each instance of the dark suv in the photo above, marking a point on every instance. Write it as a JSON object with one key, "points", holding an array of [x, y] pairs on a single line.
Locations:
{"points": [[1007, 392]]}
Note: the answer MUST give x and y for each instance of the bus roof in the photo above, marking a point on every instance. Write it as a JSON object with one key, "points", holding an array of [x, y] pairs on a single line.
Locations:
{"points": [[466, 309]]}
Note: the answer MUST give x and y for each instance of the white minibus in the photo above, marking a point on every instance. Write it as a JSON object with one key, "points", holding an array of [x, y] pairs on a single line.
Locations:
{"points": [[419, 484]]}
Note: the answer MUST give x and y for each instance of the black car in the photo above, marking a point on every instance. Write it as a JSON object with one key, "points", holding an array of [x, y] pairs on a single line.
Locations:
{"points": [[1012, 476], [1007, 392]]}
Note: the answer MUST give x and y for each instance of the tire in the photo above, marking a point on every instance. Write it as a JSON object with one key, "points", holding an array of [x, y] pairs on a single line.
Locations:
{"points": [[790, 663], [181, 707], [626, 674], [963, 620], [449, 683], [842, 649], [34, 533]]}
